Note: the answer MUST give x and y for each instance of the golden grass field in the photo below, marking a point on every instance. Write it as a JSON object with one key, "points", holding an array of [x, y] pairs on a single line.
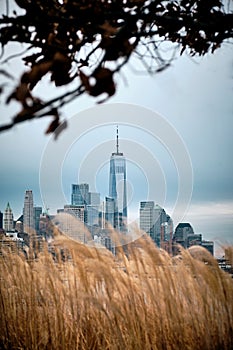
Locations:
{"points": [[142, 300]]}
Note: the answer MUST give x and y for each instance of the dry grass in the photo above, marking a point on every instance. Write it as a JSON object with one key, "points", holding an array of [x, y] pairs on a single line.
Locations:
{"points": [[146, 300]]}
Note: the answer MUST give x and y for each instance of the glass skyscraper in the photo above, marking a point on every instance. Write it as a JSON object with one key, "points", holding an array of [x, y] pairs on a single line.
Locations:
{"points": [[151, 218], [118, 188], [37, 211], [79, 195]]}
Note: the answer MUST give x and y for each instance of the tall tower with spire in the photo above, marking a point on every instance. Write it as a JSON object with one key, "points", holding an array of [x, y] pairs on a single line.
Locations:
{"points": [[118, 187], [8, 219]]}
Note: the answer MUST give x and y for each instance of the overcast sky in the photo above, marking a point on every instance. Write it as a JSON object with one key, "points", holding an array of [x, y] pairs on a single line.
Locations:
{"points": [[193, 101]]}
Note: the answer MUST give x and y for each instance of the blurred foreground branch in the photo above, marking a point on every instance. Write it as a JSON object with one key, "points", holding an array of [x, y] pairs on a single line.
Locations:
{"points": [[84, 44]]}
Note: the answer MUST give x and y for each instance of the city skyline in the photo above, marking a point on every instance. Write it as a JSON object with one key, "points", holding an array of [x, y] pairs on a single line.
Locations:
{"points": [[98, 218], [136, 214], [193, 95], [154, 221], [80, 192]]}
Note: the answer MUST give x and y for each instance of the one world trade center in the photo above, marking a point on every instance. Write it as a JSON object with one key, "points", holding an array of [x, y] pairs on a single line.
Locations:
{"points": [[118, 188]]}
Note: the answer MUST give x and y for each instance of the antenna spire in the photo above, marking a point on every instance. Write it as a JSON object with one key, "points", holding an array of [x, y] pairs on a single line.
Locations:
{"points": [[117, 142], [117, 153]]}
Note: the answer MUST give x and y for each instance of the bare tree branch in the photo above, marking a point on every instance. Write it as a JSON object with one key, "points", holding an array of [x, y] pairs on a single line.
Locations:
{"points": [[78, 42]]}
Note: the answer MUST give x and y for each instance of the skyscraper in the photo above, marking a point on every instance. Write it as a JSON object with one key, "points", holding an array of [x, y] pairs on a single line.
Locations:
{"points": [[8, 219], [79, 195], [147, 217], [92, 209], [160, 217], [151, 219], [28, 212], [37, 211], [93, 198], [117, 187], [110, 211]]}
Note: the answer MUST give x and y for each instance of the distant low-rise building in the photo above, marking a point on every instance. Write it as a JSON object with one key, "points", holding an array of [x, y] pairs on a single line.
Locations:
{"points": [[184, 236], [76, 210], [19, 226]]}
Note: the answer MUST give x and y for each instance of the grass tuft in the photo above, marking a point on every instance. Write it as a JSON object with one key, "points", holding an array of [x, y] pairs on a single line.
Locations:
{"points": [[94, 300]]}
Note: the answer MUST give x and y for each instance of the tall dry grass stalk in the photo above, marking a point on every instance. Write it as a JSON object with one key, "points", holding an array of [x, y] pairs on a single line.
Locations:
{"points": [[145, 300]]}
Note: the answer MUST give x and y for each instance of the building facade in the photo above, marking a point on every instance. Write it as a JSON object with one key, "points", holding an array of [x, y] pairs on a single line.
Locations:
{"points": [[93, 198], [147, 219], [28, 212], [71, 222], [92, 215], [194, 239], [37, 211], [160, 217], [92, 209], [79, 195], [209, 245], [110, 212], [8, 221], [182, 231], [77, 211], [184, 236], [151, 219]]}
